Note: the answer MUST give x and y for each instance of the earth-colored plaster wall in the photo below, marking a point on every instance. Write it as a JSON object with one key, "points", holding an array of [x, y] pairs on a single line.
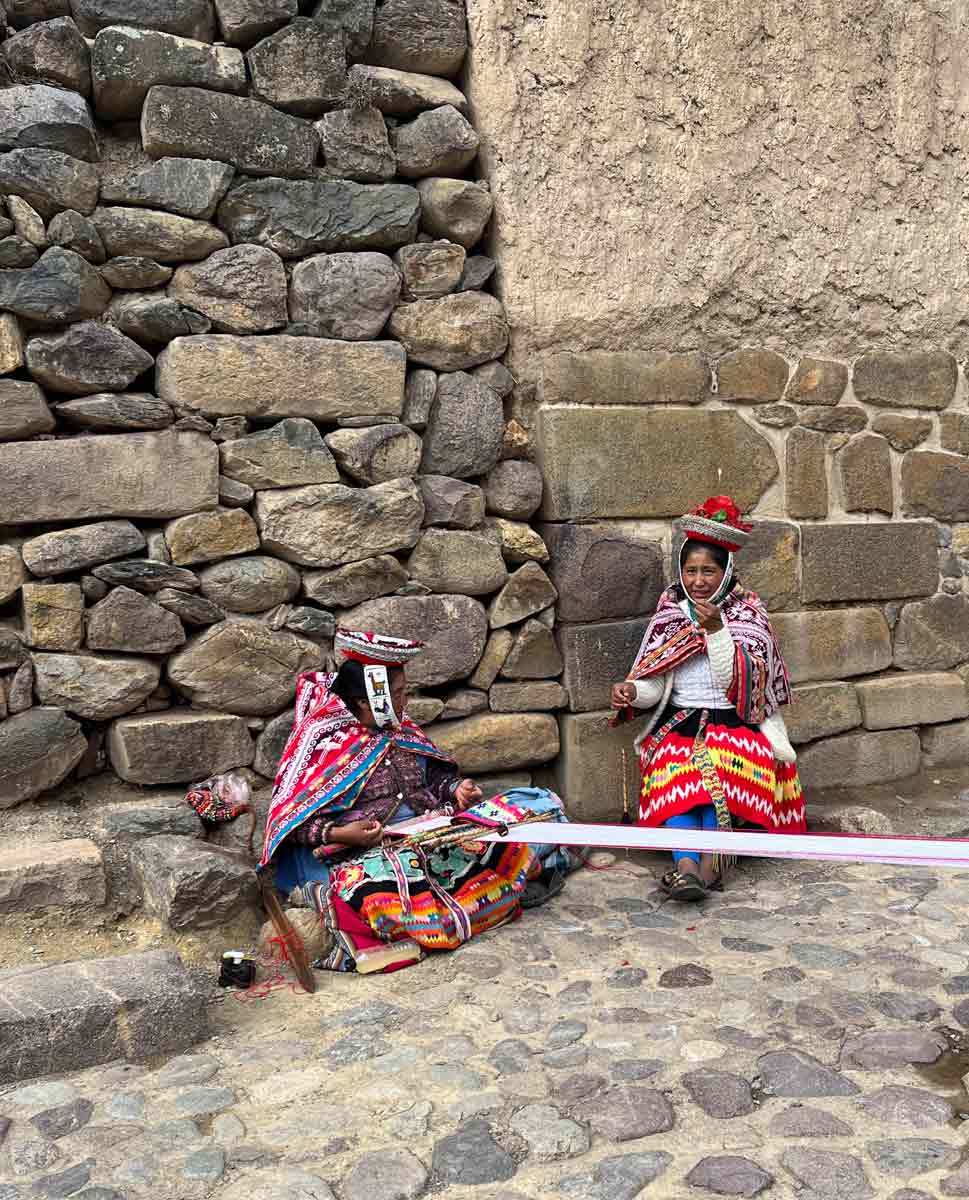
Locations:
{"points": [[708, 173]]}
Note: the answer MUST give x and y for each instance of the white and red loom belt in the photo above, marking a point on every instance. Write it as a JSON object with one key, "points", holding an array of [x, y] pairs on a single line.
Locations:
{"points": [[833, 847]]}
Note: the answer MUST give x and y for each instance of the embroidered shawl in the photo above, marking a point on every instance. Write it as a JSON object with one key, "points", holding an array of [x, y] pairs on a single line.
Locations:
{"points": [[329, 757], [760, 683]]}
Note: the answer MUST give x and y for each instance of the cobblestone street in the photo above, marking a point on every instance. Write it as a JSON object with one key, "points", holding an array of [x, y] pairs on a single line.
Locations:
{"points": [[800, 1035]]}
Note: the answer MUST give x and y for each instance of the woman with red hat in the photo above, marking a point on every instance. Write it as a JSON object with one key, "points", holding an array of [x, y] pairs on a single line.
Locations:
{"points": [[716, 748]]}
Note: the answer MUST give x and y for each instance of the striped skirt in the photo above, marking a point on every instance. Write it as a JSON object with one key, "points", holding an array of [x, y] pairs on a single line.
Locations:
{"points": [[757, 789]]}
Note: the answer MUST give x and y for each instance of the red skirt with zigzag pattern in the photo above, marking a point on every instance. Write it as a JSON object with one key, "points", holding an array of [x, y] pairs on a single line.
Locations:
{"points": [[758, 789]]}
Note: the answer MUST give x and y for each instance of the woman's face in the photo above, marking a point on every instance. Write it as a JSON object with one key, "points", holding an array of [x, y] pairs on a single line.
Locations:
{"points": [[701, 574]]}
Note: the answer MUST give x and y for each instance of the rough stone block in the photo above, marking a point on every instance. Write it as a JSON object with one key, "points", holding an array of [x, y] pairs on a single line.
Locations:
{"points": [[453, 628], [242, 666], [282, 376], [541, 696], [954, 432], [190, 122], [453, 333], [53, 615], [246, 21], [866, 475], [300, 217], [290, 454], [94, 687], [907, 379], [348, 296], [178, 746], [932, 634], [806, 490], [464, 430], [498, 741], [127, 62], [186, 18], [403, 93], [456, 209], [438, 142], [914, 698], [23, 410], [752, 376], [66, 550], [834, 644], [868, 562], [190, 187], [430, 269], [597, 656], [859, 759], [769, 565], [49, 180], [451, 502], [528, 591], [189, 885], [821, 710], [935, 485], [603, 571], [376, 453], [589, 769], [86, 358], [518, 541], [457, 561], [817, 381], [352, 584], [946, 745], [82, 1014], [426, 36], [534, 654], [513, 490], [205, 537], [160, 236], [255, 584], [625, 377], [11, 344], [843, 418], [50, 118], [151, 475], [302, 68], [903, 433], [50, 52], [61, 286], [51, 875], [38, 749], [13, 573], [615, 462]]}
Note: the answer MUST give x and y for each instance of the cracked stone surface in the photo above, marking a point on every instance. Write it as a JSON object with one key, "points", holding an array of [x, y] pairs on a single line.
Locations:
{"points": [[610, 1046]]}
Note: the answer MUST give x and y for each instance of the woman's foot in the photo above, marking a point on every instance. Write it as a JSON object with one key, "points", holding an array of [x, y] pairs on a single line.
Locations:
{"points": [[683, 885]]}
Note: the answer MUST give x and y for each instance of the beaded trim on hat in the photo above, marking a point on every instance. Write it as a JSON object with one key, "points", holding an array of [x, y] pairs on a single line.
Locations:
{"points": [[702, 529], [375, 648]]}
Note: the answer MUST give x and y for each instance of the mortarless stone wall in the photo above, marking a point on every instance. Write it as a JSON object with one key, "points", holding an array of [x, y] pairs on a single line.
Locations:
{"points": [[249, 387]]}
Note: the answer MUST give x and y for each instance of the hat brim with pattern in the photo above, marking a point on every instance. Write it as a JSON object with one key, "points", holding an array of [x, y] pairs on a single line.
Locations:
{"points": [[716, 533], [375, 649]]}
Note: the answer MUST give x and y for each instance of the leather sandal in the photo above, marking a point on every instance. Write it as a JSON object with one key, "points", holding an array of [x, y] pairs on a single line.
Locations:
{"points": [[683, 885]]}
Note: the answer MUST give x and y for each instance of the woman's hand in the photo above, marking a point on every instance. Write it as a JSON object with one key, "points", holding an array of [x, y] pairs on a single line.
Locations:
{"points": [[466, 793], [709, 615], [623, 694], [357, 833]]}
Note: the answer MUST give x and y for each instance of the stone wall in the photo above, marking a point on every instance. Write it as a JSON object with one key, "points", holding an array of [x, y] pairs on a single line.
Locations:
{"points": [[857, 478], [249, 387]]}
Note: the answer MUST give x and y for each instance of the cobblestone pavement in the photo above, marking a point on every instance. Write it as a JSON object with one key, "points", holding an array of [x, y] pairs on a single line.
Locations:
{"points": [[800, 1035]]}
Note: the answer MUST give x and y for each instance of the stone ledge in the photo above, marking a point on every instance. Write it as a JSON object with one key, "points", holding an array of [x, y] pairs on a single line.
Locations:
{"points": [[51, 875], [919, 698], [74, 1015], [883, 561], [834, 644], [860, 759]]}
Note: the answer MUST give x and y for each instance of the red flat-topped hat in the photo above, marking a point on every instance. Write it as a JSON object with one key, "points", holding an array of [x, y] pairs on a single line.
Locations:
{"points": [[375, 649], [718, 522]]}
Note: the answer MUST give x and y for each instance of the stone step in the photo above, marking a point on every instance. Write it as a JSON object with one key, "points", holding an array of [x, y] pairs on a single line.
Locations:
{"points": [[68, 874], [73, 1015]]}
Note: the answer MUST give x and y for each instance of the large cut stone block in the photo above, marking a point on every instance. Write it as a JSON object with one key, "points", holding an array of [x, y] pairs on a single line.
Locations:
{"points": [[189, 122], [859, 759], [178, 746], [82, 1014], [51, 875], [597, 764], [151, 475], [498, 741], [597, 656], [453, 628], [835, 644], [328, 524], [806, 487], [866, 474], [615, 462], [126, 63], [935, 485], [821, 710], [300, 217], [38, 748], [603, 571], [916, 698], [189, 885], [933, 634], [946, 745], [868, 562], [94, 687], [53, 615], [282, 376], [625, 377], [910, 379], [769, 565]]}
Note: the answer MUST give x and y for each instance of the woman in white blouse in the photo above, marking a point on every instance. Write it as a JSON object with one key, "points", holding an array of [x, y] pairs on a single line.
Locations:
{"points": [[716, 748]]}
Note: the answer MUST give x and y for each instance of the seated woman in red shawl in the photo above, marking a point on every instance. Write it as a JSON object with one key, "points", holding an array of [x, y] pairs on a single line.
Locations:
{"points": [[351, 767], [710, 668]]}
